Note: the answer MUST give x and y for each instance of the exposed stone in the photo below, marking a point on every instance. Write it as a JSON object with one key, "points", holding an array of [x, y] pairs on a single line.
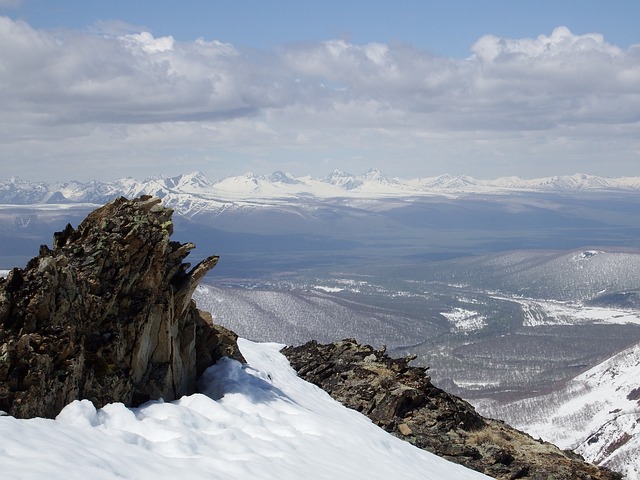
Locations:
{"points": [[402, 400], [404, 429], [106, 315]]}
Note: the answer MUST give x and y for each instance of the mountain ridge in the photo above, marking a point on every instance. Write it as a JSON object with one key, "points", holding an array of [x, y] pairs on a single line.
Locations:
{"points": [[402, 400], [282, 185]]}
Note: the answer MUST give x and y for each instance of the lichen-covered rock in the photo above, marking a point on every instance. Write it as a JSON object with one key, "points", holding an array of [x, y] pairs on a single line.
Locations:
{"points": [[401, 399], [106, 315]]}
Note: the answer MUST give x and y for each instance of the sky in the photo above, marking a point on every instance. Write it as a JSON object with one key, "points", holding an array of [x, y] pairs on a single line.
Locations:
{"points": [[98, 90]]}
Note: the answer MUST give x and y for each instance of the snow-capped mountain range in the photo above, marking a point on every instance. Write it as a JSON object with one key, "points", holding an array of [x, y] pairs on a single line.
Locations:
{"points": [[281, 187]]}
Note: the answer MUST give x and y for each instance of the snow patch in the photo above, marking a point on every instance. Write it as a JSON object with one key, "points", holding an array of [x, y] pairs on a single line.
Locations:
{"points": [[554, 312], [475, 385], [464, 320], [587, 254], [328, 289]]}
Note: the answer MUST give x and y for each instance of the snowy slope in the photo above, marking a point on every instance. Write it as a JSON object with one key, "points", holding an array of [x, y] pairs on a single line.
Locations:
{"points": [[259, 421], [597, 414], [585, 276]]}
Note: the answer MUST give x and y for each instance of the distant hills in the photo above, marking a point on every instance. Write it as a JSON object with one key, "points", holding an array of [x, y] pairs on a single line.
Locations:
{"points": [[281, 187]]}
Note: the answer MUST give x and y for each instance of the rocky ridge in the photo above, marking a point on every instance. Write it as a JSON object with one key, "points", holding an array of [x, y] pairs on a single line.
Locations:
{"points": [[402, 400], [106, 315]]}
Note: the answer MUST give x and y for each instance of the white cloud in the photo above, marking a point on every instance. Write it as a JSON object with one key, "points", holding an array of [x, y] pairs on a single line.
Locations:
{"points": [[561, 44], [133, 97], [149, 44]]}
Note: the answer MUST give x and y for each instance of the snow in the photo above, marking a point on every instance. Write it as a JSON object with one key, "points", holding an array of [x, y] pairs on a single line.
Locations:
{"points": [[49, 207], [280, 187], [254, 421], [578, 313], [464, 320], [328, 289], [475, 385], [555, 312]]}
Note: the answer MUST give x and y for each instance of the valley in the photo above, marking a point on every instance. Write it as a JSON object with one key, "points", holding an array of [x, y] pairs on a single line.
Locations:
{"points": [[508, 292], [477, 343]]}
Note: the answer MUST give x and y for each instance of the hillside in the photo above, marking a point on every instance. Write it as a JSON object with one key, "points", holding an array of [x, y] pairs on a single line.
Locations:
{"points": [[505, 292], [596, 414]]}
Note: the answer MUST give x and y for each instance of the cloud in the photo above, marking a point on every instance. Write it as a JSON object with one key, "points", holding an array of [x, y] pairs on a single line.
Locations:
{"points": [[506, 84], [127, 95], [149, 44]]}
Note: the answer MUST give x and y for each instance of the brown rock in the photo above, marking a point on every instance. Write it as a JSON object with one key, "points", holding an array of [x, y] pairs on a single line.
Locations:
{"points": [[402, 400], [404, 429], [106, 315]]}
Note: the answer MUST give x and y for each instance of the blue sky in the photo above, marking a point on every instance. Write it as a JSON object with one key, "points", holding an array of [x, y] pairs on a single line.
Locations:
{"points": [[445, 28], [101, 90]]}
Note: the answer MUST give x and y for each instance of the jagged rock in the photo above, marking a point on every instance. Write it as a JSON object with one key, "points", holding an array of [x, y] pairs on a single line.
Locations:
{"points": [[106, 315], [401, 399]]}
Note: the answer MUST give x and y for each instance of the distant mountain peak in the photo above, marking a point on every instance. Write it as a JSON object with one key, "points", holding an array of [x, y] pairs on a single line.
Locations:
{"points": [[196, 179], [373, 174], [336, 173], [282, 177], [343, 180]]}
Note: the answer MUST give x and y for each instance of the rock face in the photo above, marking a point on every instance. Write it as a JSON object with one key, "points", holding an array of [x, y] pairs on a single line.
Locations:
{"points": [[402, 400], [106, 315]]}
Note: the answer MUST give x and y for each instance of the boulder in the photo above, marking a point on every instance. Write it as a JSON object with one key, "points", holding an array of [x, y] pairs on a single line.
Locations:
{"points": [[106, 315]]}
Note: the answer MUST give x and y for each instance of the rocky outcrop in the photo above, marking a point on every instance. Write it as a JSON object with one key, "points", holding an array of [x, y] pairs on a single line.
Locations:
{"points": [[402, 400], [106, 315]]}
